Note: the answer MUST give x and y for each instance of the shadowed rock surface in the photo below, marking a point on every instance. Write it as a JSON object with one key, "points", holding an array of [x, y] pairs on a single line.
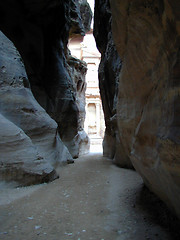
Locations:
{"points": [[40, 31], [81, 17], [139, 88], [78, 69], [109, 71], [30, 144], [21, 161], [147, 36], [79, 144]]}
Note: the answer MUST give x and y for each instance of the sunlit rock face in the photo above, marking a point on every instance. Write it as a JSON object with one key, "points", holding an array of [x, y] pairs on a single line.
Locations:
{"points": [[147, 38], [109, 71], [40, 31]]}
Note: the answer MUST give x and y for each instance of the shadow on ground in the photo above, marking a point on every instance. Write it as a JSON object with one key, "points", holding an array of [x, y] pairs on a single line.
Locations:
{"points": [[157, 212]]}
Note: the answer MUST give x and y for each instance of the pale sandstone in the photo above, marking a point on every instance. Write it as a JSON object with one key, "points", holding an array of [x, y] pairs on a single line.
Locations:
{"points": [[147, 39]]}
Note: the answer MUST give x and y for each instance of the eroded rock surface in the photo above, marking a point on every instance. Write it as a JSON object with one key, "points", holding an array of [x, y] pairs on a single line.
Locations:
{"points": [[20, 160], [109, 71], [40, 31], [30, 144], [78, 69], [147, 37], [81, 17]]}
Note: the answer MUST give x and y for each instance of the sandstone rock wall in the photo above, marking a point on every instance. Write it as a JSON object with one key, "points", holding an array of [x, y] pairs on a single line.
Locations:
{"points": [[109, 71], [78, 70], [40, 31], [81, 17], [30, 146], [20, 160], [147, 37]]}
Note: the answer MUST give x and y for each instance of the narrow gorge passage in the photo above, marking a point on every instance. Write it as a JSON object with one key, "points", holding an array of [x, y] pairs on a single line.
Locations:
{"points": [[92, 199]]}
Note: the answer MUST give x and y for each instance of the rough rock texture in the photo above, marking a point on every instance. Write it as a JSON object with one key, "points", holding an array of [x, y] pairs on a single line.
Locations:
{"points": [[40, 30], [109, 71], [86, 14], [30, 146], [81, 17], [78, 70], [147, 37]]}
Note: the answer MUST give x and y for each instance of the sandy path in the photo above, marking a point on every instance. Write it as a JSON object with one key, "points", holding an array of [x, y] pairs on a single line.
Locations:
{"points": [[93, 199]]}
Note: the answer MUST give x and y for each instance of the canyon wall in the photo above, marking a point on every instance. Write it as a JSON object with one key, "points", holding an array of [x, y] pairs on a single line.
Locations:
{"points": [[42, 88], [37, 86], [147, 38], [30, 146], [109, 71], [77, 69]]}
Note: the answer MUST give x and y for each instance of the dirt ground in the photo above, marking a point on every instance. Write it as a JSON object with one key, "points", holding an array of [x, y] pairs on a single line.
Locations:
{"points": [[92, 199]]}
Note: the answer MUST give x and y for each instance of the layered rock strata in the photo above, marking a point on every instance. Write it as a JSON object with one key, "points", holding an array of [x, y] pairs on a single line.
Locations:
{"points": [[147, 37]]}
